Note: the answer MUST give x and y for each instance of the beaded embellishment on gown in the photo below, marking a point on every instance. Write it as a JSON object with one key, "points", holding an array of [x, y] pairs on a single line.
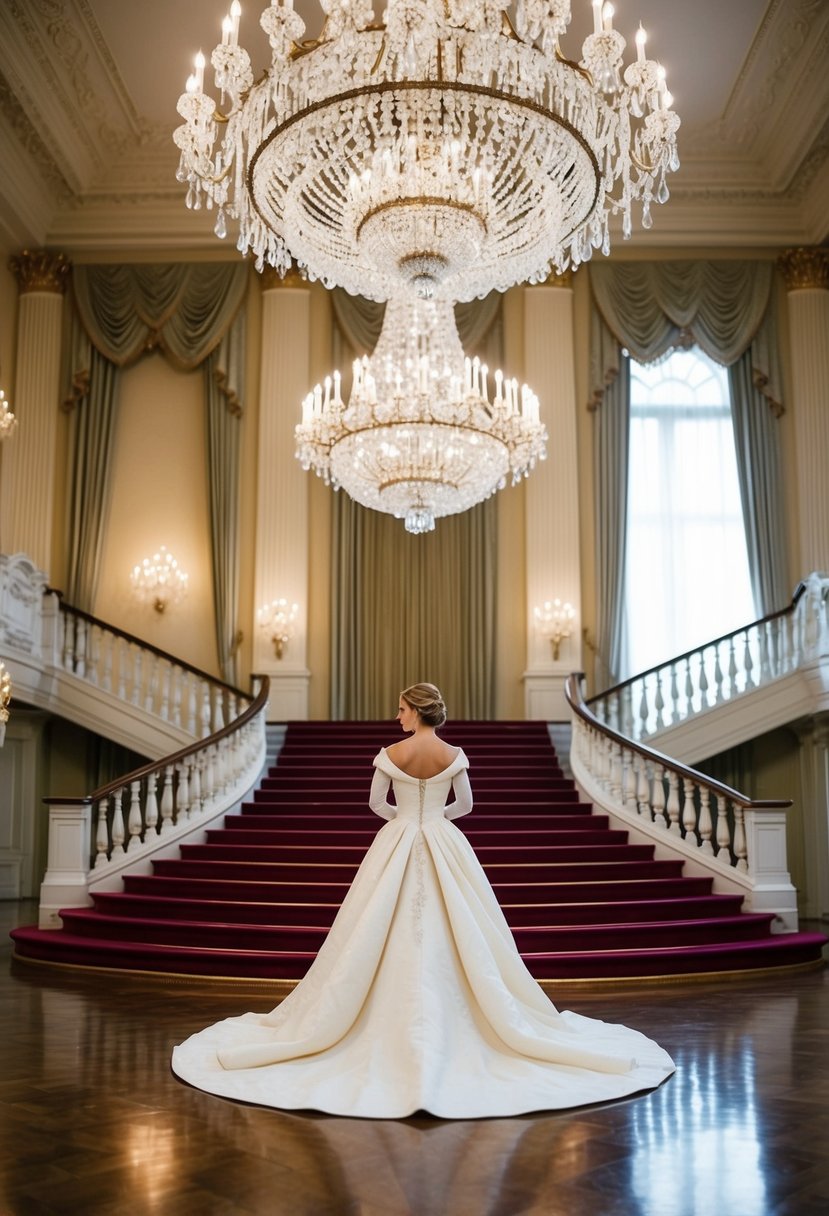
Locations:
{"points": [[418, 998]]}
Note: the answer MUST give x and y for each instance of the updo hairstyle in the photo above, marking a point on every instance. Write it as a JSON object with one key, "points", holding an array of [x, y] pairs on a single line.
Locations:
{"points": [[427, 701]]}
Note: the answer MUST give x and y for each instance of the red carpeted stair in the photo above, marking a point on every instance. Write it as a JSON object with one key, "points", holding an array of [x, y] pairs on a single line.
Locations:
{"points": [[256, 898]]}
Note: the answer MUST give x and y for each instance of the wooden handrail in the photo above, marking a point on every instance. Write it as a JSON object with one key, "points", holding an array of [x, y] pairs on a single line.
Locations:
{"points": [[154, 766], [641, 675], [136, 641], [576, 701]]}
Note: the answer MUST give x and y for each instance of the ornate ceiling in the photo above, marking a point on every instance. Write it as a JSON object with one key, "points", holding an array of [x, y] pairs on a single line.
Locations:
{"points": [[88, 91]]}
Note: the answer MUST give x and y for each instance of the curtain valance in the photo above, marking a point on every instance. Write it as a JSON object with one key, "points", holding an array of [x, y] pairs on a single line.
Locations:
{"points": [[184, 309], [726, 307]]}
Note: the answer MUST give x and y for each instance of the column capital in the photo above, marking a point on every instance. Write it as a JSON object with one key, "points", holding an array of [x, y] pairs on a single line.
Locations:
{"points": [[40, 270], [272, 280], [805, 268]]}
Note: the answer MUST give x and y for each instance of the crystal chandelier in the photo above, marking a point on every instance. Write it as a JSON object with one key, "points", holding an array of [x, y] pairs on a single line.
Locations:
{"points": [[159, 580], [420, 437], [448, 149], [7, 419]]}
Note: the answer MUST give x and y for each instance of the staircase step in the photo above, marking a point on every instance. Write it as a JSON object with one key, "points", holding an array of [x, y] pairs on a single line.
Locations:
{"points": [[334, 852]]}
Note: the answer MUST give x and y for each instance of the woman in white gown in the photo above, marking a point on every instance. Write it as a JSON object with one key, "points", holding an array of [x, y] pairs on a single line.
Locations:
{"points": [[418, 998]]}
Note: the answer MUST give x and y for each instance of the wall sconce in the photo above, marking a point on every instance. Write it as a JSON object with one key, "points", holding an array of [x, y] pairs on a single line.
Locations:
{"points": [[277, 620], [159, 580], [5, 698], [7, 419], [554, 620]]}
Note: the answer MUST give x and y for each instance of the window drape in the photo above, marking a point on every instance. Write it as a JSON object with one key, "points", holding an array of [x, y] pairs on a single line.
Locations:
{"points": [[195, 315], [409, 608], [728, 309]]}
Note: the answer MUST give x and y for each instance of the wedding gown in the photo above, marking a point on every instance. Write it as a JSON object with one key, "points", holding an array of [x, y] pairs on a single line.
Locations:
{"points": [[418, 998]]}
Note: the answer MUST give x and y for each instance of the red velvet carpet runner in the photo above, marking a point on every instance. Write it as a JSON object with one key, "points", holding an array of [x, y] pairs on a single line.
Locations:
{"points": [[255, 900]]}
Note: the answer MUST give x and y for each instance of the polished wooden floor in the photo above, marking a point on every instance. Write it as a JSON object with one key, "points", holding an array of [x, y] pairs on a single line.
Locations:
{"points": [[92, 1121]]}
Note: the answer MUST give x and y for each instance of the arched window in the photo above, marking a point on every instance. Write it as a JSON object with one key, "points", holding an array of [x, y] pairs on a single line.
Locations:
{"points": [[686, 568]]}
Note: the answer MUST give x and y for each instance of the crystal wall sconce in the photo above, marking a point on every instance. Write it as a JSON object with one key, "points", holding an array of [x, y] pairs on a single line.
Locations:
{"points": [[554, 620], [277, 620], [7, 419], [159, 580]]}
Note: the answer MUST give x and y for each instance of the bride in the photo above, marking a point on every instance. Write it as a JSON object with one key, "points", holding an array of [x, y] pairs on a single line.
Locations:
{"points": [[418, 998]]}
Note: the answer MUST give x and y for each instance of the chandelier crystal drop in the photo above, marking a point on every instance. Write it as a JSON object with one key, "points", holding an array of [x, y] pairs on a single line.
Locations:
{"points": [[426, 432], [445, 151]]}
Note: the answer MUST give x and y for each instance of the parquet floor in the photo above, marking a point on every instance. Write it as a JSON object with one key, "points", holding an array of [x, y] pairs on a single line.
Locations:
{"points": [[93, 1122]]}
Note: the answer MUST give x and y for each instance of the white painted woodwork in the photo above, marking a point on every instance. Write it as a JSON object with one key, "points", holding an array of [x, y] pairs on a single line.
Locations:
{"points": [[809, 337]]}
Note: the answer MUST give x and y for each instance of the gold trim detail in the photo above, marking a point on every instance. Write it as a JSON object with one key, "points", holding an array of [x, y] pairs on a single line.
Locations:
{"points": [[40, 270], [805, 268]]}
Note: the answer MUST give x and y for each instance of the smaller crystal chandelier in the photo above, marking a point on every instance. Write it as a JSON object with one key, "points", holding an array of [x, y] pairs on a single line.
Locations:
{"points": [[278, 620], [554, 620], [420, 437], [7, 419], [5, 698], [159, 580]]}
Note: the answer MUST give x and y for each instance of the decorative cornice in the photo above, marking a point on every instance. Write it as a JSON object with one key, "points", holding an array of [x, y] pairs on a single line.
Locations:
{"points": [[40, 270], [19, 123], [272, 280], [805, 269]]}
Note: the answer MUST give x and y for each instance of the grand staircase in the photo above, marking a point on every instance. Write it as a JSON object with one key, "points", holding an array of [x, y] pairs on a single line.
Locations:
{"points": [[255, 899]]}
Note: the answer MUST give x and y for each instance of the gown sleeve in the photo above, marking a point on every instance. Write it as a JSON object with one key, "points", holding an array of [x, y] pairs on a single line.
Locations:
{"points": [[463, 796], [377, 797]]}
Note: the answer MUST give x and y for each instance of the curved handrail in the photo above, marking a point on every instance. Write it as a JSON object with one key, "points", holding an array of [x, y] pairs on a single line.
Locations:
{"points": [[580, 707]]}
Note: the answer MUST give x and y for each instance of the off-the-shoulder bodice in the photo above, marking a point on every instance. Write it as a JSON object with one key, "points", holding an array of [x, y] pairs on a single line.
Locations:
{"points": [[419, 798]]}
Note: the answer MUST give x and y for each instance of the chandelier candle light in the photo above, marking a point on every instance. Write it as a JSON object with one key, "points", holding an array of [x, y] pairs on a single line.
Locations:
{"points": [[420, 437], [450, 148], [5, 698], [159, 580]]}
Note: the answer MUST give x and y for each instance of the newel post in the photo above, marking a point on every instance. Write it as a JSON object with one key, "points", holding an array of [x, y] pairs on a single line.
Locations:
{"points": [[772, 889], [66, 882]]}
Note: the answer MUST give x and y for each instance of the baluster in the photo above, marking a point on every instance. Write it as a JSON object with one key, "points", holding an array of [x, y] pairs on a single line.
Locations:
{"points": [[658, 796], [102, 835], [177, 674], [723, 829], [93, 653], [151, 807], [748, 663], [218, 709], [659, 702], [740, 846], [613, 712], [106, 681], [689, 810], [196, 804], [233, 707], [674, 694], [706, 823], [689, 689], [205, 712], [151, 694], [167, 800], [644, 712], [68, 642], [183, 791], [136, 675], [191, 704], [208, 787], [732, 669], [134, 822], [165, 692], [704, 703], [643, 793], [630, 758], [118, 849], [627, 711], [123, 650], [80, 649], [614, 778], [718, 676], [672, 805], [765, 664]]}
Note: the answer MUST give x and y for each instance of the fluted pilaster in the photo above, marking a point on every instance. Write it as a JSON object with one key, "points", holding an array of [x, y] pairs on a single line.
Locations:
{"points": [[28, 469], [552, 510], [282, 529], [806, 273]]}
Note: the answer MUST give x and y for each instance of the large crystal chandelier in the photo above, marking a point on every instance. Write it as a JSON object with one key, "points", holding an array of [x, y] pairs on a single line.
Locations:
{"points": [[426, 431], [449, 147]]}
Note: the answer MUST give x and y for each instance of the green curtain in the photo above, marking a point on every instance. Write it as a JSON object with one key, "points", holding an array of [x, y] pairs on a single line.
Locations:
{"points": [[409, 608], [729, 309], [195, 315]]}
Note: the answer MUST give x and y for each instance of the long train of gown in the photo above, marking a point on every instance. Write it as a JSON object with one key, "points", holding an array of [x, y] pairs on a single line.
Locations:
{"points": [[418, 998]]}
